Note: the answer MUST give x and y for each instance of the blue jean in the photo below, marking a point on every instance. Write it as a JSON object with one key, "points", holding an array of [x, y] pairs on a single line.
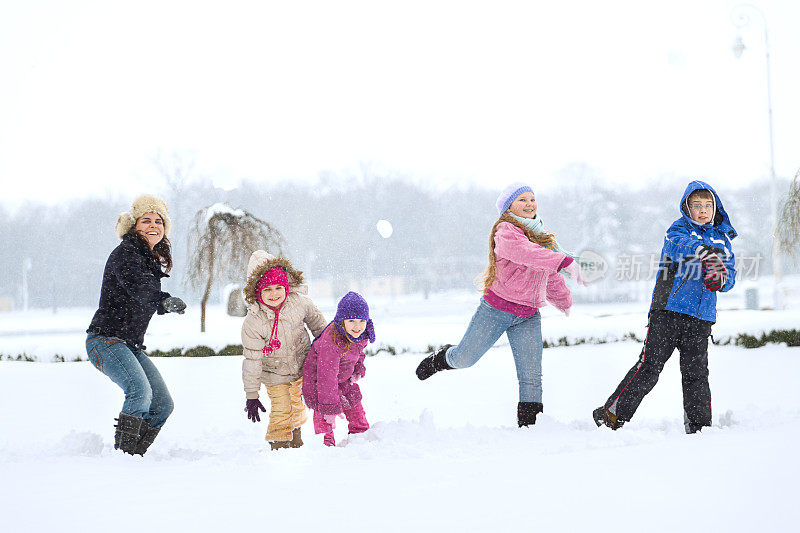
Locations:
{"points": [[146, 394], [525, 336]]}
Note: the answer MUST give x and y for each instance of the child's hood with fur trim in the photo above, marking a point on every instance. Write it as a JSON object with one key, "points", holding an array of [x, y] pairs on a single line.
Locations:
{"points": [[261, 261]]}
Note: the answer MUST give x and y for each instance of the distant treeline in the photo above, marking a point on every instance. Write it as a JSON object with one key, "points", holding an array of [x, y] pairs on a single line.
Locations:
{"points": [[440, 238]]}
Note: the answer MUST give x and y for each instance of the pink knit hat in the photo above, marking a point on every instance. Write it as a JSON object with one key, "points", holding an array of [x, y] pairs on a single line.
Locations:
{"points": [[273, 276]]}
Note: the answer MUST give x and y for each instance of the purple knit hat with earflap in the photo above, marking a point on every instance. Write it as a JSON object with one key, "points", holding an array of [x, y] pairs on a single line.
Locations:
{"points": [[353, 305]]}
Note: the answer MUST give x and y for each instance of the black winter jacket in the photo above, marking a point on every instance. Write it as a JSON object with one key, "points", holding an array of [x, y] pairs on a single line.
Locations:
{"points": [[130, 294]]}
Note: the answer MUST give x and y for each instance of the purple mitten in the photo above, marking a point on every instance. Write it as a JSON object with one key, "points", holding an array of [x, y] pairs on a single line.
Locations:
{"points": [[251, 408]]}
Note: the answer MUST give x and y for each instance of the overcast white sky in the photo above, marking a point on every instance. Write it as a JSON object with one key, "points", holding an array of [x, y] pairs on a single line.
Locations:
{"points": [[451, 92]]}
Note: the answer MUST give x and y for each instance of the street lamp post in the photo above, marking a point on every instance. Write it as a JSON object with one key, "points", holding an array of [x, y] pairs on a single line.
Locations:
{"points": [[741, 18], [26, 267]]}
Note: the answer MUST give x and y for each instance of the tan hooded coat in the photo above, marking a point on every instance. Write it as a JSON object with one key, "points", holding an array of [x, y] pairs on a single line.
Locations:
{"points": [[285, 364]]}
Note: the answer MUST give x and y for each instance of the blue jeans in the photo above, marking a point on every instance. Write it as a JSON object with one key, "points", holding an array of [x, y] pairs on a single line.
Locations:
{"points": [[525, 336], [146, 394]]}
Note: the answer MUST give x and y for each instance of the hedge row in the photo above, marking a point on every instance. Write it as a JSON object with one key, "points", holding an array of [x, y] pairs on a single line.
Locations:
{"points": [[198, 351], [564, 341], [791, 337]]}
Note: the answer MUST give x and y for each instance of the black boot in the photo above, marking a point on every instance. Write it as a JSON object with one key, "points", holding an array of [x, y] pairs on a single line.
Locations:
{"points": [[126, 437], [526, 413], [147, 434], [434, 363], [604, 417]]}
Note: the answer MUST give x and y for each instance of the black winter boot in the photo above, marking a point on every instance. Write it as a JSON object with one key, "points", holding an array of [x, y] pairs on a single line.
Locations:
{"points": [[126, 437], [604, 417], [147, 434], [434, 363], [526, 413]]}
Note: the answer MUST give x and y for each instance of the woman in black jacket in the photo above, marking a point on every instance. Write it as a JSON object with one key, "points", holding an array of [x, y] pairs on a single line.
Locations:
{"points": [[130, 294]]}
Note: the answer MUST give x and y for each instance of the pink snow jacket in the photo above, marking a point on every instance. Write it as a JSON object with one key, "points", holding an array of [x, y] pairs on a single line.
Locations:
{"points": [[527, 273], [327, 372]]}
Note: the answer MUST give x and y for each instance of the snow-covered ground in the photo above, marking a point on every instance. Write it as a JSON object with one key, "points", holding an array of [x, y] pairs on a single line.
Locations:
{"points": [[442, 455]]}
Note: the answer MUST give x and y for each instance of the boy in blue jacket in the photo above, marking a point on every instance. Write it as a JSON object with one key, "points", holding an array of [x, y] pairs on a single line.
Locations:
{"points": [[696, 262]]}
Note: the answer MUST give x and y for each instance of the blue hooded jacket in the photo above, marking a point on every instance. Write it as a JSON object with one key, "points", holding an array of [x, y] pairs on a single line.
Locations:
{"points": [[679, 284]]}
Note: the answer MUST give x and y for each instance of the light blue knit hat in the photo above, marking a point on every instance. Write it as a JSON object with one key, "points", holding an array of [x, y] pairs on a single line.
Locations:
{"points": [[510, 194]]}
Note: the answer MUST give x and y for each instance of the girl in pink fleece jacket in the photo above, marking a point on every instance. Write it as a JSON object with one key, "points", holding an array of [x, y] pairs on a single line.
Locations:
{"points": [[334, 363], [523, 275]]}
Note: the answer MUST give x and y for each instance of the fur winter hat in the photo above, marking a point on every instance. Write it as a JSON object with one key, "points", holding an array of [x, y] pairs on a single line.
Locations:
{"points": [[143, 204], [509, 194]]}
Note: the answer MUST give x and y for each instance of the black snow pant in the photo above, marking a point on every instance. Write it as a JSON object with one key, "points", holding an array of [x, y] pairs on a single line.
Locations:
{"points": [[666, 331]]}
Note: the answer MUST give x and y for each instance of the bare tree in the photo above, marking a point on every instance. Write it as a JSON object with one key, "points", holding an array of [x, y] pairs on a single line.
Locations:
{"points": [[220, 244], [788, 228]]}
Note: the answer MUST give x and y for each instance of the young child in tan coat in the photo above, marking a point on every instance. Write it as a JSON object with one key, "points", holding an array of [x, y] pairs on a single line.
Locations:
{"points": [[276, 342]]}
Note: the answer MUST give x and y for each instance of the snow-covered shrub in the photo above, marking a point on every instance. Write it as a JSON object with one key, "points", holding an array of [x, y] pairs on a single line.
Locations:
{"points": [[175, 352], [200, 351], [232, 349]]}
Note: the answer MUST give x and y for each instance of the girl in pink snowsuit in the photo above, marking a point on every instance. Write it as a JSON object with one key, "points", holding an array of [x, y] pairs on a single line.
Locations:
{"points": [[334, 363]]}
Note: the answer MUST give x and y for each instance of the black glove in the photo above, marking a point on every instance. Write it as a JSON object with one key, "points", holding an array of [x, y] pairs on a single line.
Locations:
{"points": [[173, 304]]}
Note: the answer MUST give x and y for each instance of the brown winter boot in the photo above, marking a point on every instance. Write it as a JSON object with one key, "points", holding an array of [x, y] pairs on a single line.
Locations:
{"points": [[280, 444], [297, 440]]}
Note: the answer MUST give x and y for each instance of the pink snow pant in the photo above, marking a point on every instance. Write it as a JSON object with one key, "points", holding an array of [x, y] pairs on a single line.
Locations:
{"points": [[356, 420]]}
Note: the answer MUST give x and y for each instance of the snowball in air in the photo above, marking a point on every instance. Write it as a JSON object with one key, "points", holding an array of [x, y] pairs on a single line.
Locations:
{"points": [[384, 228]]}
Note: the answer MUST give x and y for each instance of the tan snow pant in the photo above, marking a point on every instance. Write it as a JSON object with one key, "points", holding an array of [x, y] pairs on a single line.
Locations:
{"points": [[286, 410]]}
